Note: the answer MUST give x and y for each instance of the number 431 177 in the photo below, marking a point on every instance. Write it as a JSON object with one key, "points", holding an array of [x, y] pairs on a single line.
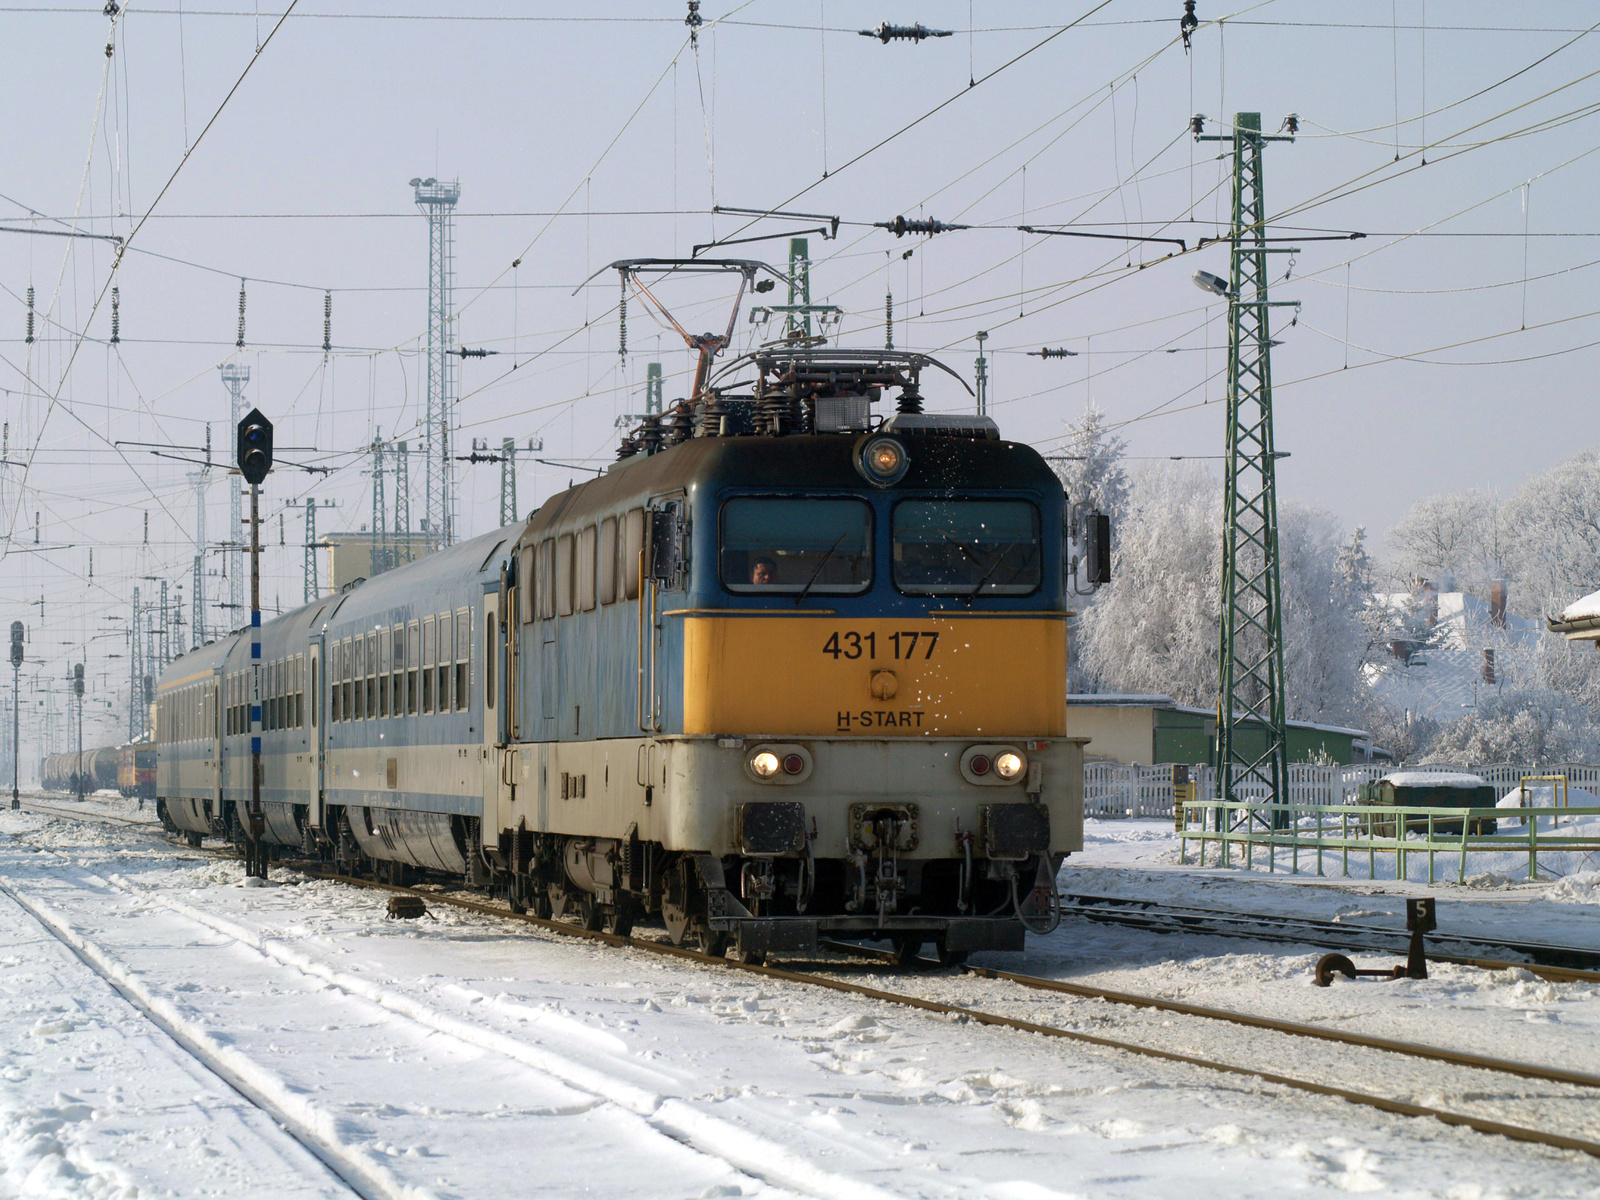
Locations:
{"points": [[851, 644]]}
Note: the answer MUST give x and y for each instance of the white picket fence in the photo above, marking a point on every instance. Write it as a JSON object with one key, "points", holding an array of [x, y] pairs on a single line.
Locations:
{"points": [[1114, 790]]}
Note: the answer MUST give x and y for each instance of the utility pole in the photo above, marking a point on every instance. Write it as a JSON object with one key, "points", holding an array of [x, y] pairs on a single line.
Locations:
{"points": [[654, 389], [77, 690], [135, 672], [1251, 684], [437, 201], [17, 633], [312, 590], [981, 375], [255, 460], [381, 559], [402, 502], [234, 376]]}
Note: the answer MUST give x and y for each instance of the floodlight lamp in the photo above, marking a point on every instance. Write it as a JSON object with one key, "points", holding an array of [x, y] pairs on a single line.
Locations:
{"points": [[1207, 282]]}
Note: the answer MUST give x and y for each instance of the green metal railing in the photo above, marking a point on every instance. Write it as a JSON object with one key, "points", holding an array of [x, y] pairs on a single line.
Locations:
{"points": [[1243, 831]]}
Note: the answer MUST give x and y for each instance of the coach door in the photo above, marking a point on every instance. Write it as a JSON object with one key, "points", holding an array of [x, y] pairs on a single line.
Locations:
{"points": [[213, 695], [314, 719], [499, 758]]}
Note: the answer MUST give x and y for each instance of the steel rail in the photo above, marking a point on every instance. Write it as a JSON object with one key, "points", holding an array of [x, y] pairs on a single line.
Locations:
{"points": [[1557, 965], [1386, 1104], [306, 1136], [979, 1016], [59, 810]]}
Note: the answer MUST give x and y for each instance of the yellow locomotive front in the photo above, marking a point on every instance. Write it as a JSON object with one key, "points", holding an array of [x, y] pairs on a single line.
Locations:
{"points": [[823, 662]]}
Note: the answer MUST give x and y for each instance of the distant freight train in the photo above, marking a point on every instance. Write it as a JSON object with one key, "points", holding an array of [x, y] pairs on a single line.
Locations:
{"points": [[131, 769], [783, 672]]}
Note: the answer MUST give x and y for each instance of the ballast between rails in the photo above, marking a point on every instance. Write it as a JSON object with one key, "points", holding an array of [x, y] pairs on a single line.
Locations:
{"points": [[1558, 964]]}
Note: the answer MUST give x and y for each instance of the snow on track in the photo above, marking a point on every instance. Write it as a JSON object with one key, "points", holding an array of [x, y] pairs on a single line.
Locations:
{"points": [[781, 1078]]}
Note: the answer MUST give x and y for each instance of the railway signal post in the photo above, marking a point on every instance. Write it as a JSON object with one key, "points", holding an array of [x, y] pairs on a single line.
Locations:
{"points": [[255, 460], [77, 690], [16, 692]]}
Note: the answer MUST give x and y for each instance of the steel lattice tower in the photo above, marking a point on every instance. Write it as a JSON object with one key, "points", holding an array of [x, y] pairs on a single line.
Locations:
{"points": [[201, 480], [136, 710], [235, 376], [1250, 690], [381, 560], [437, 202], [311, 588]]}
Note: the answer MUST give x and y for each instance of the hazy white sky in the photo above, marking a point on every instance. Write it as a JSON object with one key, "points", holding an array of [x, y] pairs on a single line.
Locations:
{"points": [[1420, 363]]}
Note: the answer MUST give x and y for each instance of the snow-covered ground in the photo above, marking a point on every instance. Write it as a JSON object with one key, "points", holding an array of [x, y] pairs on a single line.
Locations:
{"points": [[471, 1056]]}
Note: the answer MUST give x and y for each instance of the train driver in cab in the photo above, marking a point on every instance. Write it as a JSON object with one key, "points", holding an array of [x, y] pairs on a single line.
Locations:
{"points": [[764, 572]]}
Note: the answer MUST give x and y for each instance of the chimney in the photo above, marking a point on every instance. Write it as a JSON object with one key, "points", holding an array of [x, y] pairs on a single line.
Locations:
{"points": [[1488, 665], [1400, 649], [1428, 595], [1497, 603]]}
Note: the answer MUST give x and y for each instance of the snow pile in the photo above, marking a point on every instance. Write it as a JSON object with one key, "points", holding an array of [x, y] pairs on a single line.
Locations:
{"points": [[1438, 779], [1582, 888]]}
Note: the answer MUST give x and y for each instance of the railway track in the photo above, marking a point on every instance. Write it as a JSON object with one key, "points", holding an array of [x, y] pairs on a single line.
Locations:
{"points": [[84, 814], [1587, 1086], [1559, 964], [1581, 1088]]}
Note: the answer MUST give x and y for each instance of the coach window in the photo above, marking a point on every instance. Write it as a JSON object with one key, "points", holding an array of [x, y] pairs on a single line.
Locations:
{"points": [[528, 583], [547, 578], [585, 574], [397, 662], [966, 548], [427, 664], [362, 646], [564, 547], [815, 545], [384, 671], [630, 546], [351, 713], [316, 664], [488, 662], [413, 660], [446, 674], [463, 656], [373, 679], [605, 566], [299, 691]]}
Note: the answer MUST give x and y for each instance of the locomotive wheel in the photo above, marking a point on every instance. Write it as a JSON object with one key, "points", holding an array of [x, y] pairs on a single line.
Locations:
{"points": [[907, 951], [194, 839], [675, 906], [753, 958], [712, 941], [517, 894], [590, 915], [539, 903], [950, 958], [618, 918]]}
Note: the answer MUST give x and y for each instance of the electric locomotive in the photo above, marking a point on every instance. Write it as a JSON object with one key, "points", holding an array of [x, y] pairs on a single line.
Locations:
{"points": [[790, 671]]}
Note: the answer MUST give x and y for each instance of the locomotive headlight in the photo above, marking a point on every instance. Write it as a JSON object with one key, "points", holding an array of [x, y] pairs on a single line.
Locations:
{"points": [[1008, 765], [881, 460], [765, 764]]}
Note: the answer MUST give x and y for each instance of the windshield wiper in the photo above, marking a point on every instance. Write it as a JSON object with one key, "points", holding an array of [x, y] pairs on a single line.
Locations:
{"points": [[993, 567], [807, 589]]}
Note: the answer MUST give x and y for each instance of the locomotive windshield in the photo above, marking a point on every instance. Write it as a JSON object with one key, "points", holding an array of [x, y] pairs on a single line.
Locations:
{"points": [[812, 545], [966, 547]]}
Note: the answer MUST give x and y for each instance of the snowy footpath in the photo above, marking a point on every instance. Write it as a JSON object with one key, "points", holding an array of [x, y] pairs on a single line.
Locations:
{"points": [[169, 1032]]}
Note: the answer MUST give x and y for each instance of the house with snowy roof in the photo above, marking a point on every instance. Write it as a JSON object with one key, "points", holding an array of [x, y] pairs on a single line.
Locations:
{"points": [[1449, 649]]}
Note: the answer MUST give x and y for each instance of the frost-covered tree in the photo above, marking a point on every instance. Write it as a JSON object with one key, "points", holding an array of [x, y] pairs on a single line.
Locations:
{"points": [[1535, 724], [1092, 472], [1553, 536], [1155, 627], [1454, 535]]}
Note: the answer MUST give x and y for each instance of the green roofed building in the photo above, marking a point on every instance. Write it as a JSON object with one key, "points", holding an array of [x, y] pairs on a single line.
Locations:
{"points": [[1156, 729]]}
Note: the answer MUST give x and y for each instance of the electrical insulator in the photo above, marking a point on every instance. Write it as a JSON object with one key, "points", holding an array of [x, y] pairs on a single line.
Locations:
{"points": [[887, 33], [900, 226]]}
